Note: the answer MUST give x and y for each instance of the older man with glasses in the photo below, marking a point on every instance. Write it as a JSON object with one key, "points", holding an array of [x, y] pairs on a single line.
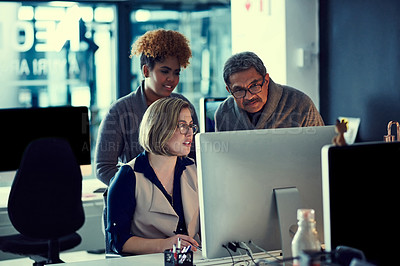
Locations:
{"points": [[257, 102]]}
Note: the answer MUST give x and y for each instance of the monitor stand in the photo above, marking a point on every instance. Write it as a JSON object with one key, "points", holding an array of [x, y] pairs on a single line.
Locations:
{"points": [[287, 203]]}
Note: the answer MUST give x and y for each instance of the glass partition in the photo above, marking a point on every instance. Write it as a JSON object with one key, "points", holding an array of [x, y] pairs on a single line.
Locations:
{"points": [[58, 54], [209, 33], [65, 53]]}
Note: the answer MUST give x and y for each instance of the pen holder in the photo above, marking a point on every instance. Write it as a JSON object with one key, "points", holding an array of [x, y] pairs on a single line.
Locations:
{"points": [[178, 258]]}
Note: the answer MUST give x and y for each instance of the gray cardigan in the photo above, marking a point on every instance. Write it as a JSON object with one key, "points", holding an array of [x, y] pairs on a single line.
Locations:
{"points": [[285, 107], [118, 135]]}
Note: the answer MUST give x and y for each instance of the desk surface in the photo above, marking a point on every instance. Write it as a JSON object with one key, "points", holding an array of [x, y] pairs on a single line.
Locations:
{"points": [[88, 188], [158, 260]]}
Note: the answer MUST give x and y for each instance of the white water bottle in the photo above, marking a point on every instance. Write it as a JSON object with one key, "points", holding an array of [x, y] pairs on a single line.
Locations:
{"points": [[306, 237]]}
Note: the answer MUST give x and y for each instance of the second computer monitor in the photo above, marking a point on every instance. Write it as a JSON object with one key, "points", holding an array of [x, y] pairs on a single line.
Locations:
{"points": [[20, 126], [208, 106], [360, 196]]}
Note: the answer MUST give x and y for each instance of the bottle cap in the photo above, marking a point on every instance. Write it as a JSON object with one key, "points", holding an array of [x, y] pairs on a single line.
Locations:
{"points": [[305, 214]]}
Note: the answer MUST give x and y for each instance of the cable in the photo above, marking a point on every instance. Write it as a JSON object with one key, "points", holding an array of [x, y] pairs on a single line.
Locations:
{"points": [[235, 247], [266, 252], [244, 246], [230, 254], [242, 256]]}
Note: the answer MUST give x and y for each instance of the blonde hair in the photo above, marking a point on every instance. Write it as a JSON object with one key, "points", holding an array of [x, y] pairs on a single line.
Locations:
{"points": [[159, 124], [158, 44]]}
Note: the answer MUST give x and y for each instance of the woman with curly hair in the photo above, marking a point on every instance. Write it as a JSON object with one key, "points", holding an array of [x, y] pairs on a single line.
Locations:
{"points": [[162, 55], [153, 199]]}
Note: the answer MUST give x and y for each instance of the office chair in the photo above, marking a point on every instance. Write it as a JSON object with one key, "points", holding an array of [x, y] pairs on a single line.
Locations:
{"points": [[45, 204]]}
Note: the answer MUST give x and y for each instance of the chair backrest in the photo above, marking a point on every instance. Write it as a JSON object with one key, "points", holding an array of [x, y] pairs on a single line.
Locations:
{"points": [[46, 195]]}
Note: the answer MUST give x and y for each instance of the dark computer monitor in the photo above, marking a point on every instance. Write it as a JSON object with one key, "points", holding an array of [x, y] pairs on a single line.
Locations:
{"points": [[19, 126], [208, 106], [248, 182], [360, 196]]}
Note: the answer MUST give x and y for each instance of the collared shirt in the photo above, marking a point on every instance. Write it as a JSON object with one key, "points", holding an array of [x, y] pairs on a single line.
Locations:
{"points": [[122, 201]]}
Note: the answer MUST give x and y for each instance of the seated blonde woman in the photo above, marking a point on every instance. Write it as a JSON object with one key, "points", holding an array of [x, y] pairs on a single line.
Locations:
{"points": [[153, 199]]}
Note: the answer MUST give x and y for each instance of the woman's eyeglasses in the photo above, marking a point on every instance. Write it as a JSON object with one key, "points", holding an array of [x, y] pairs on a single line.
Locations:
{"points": [[184, 128]]}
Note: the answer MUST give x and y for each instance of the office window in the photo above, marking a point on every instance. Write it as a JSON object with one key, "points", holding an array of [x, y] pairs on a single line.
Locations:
{"points": [[58, 53], [209, 33]]}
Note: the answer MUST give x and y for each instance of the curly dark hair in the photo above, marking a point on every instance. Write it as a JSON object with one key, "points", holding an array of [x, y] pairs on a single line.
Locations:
{"points": [[154, 46]]}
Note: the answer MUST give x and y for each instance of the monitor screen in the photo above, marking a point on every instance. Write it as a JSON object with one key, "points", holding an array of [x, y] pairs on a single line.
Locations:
{"points": [[360, 196], [22, 125], [238, 173], [208, 106]]}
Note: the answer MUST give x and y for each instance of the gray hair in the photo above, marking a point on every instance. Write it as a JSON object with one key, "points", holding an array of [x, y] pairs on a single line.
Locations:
{"points": [[241, 62]]}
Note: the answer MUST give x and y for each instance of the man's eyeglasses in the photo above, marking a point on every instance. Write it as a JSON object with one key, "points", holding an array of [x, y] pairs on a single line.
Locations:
{"points": [[253, 89], [184, 128]]}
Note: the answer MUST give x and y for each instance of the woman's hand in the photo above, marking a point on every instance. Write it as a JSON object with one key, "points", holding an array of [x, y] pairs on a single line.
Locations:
{"points": [[184, 239], [140, 245]]}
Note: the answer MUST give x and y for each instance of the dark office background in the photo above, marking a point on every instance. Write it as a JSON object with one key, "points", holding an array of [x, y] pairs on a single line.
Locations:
{"points": [[360, 63], [359, 57]]}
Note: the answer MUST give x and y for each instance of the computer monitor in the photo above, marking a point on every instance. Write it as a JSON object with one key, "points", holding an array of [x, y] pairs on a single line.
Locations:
{"points": [[208, 106], [20, 126], [360, 197], [252, 182]]}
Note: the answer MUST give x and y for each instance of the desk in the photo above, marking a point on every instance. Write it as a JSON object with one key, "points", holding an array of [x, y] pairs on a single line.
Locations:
{"points": [[91, 232], [158, 260]]}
